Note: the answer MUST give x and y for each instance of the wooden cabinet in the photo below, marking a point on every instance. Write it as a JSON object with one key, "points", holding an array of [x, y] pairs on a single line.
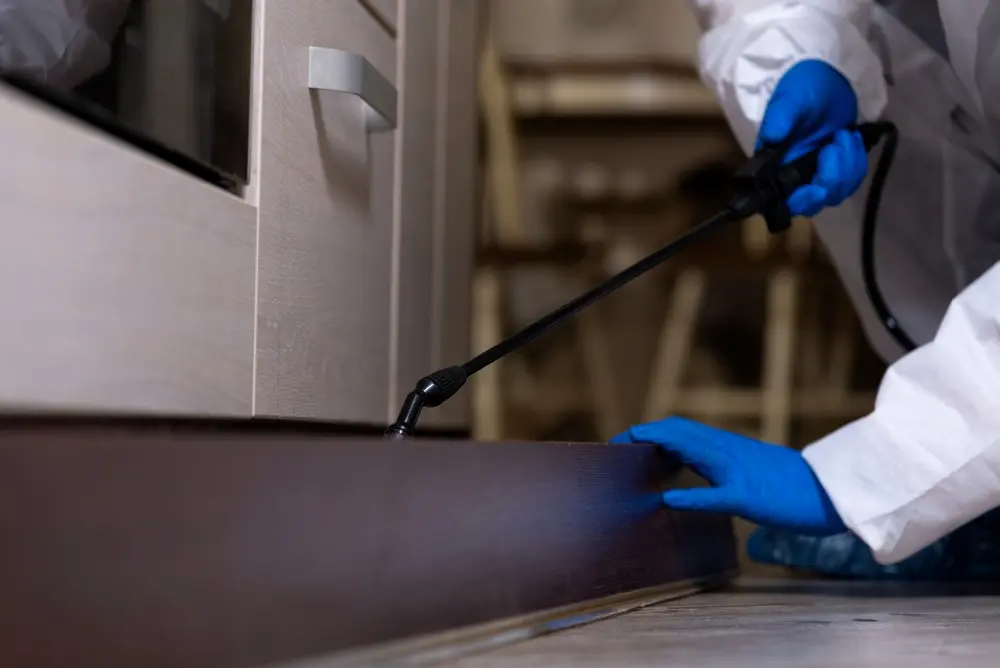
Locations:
{"points": [[326, 183], [126, 285], [416, 201], [457, 199], [324, 291], [436, 199]]}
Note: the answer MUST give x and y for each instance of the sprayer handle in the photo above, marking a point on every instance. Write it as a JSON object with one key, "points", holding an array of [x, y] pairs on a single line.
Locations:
{"points": [[769, 181]]}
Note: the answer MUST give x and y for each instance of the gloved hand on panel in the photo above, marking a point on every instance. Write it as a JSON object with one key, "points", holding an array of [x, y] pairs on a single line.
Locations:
{"points": [[766, 484], [814, 104]]}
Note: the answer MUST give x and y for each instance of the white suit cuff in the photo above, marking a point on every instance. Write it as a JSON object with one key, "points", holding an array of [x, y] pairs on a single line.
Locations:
{"points": [[927, 460]]}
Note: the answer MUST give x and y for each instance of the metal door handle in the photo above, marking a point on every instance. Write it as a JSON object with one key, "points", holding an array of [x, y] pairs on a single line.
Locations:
{"points": [[345, 72]]}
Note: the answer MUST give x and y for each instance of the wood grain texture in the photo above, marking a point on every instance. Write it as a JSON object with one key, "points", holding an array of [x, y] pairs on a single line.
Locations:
{"points": [[126, 285], [457, 199], [325, 247], [413, 242], [243, 546], [782, 624]]}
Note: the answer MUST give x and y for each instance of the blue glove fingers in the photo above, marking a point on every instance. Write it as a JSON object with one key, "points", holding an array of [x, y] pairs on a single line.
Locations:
{"points": [[700, 499], [623, 438], [808, 200], [811, 102], [678, 436], [839, 166], [841, 169], [783, 124], [695, 444], [780, 119], [675, 425], [763, 483]]}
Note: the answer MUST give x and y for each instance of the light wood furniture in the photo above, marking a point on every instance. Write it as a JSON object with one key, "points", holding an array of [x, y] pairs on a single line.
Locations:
{"points": [[794, 385], [604, 32], [323, 291], [126, 285], [436, 200], [564, 76], [581, 92], [503, 225], [457, 197], [325, 226]]}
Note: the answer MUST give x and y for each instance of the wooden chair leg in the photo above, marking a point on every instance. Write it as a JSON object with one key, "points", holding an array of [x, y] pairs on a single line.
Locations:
{"points": [[487, 330], [507, 228], [813, 353], [595, 352], [675, 344], [843, 349], [779, 356]]}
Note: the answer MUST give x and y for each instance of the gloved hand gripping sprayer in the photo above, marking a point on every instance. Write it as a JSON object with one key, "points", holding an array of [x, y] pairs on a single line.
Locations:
{"points": [[763, 186]]}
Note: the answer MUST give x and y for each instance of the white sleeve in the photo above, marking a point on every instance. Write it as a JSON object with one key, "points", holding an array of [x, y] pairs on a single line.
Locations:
{"points": [[927, 459], [60, 42], [749, 44]]}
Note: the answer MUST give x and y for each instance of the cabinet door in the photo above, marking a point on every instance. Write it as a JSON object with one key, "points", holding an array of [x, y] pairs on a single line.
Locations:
{"points": [[126, 285], [437, 195], [457, 198], [419, 174], [326, 198]]}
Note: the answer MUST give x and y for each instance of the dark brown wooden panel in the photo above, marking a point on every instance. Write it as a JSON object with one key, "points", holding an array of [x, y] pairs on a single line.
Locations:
{"points": [[142, 545]]}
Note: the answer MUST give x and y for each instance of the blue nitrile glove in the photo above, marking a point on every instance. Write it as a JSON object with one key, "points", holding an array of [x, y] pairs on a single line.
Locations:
{"points": [[971, 553], [814, 104], [846, 556], [766, 484]]}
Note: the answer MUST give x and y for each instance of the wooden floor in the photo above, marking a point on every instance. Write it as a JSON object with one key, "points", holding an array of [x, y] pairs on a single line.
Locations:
{"points": [[793, 624]]}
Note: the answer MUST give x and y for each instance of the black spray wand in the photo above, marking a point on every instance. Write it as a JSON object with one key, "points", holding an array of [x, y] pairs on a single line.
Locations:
{"points": [[763, 185]]}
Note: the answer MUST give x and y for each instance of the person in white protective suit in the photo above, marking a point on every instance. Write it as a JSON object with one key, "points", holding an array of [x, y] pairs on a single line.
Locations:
{"points": [[926, 461], [61, 43]]}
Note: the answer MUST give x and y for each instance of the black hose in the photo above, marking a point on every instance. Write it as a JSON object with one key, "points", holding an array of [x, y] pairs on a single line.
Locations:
{"points": [[869, 227]]}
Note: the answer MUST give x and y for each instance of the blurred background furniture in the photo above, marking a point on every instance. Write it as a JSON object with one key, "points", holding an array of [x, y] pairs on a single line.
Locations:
{"points": [[601, 144]]}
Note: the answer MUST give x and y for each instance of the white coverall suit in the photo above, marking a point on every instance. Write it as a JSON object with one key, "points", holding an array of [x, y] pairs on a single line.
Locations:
{"points": [[927, 459]]}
